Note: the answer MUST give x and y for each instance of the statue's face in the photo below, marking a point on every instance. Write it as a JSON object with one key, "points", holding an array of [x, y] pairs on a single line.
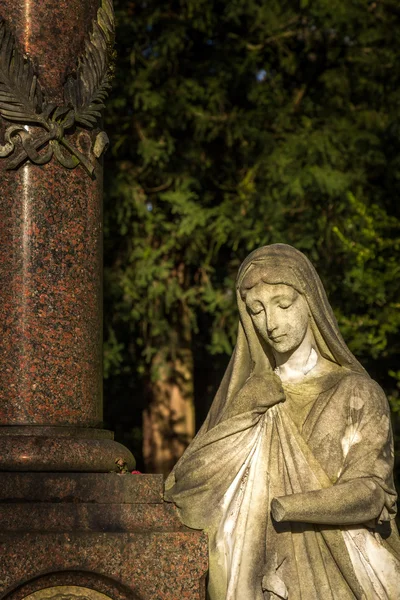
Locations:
{"points": [[280, 315]]}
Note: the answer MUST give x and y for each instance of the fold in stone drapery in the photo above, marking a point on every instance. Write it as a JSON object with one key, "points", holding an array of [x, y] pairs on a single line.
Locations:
{"points": [[319, 561], [250, 554], [314, 560]]}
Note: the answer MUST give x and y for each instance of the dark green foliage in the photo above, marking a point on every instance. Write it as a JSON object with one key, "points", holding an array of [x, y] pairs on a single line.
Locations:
{"points": [[235, 124]]}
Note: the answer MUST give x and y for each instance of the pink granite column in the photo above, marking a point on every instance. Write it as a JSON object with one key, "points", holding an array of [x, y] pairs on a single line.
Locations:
{"points": [[50, 269]]}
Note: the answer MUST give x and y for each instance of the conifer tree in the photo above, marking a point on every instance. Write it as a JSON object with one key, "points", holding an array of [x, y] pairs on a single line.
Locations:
{"points": [[235, 124]]}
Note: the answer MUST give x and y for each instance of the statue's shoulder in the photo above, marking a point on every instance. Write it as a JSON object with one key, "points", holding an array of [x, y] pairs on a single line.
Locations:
{"points": [[361, 391]]}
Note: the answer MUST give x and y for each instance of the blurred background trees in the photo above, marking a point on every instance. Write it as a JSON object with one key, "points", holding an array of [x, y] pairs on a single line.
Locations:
{"points": [[234, 124]]}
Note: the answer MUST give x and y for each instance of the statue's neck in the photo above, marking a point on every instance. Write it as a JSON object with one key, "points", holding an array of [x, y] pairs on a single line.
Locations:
{"points": [[294, 365]]}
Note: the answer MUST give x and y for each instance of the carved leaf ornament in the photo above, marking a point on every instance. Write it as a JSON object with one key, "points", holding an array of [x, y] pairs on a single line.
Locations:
{"points": [[23, 103]]}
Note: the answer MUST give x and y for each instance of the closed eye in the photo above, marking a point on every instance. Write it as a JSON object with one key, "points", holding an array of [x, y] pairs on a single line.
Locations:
{"points": [[284, 306]]}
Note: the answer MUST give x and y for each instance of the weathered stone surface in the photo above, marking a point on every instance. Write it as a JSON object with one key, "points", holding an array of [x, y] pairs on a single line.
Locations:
{"points": [[165, 566], [96, 582], [64, 517], [88, 488], [42, 453], [131, 551], [67, 592]]}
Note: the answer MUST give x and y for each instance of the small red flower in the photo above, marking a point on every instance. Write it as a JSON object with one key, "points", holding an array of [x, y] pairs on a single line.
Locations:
{"points": [[136, 473]]}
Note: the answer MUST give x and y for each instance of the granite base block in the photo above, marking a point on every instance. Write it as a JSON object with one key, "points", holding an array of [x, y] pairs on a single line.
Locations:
{"points": [[79, 488], [135, 550]]}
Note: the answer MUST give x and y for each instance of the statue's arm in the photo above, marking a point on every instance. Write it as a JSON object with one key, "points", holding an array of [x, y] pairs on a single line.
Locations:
{"points": [[349, 503], [363, 488]]}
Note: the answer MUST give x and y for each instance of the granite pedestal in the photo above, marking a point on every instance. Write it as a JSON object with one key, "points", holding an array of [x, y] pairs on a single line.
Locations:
{"points": [[69, 527], [105, 533]]}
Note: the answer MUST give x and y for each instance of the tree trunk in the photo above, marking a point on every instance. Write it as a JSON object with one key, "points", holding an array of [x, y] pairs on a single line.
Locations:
{"points": [[168, 420]]}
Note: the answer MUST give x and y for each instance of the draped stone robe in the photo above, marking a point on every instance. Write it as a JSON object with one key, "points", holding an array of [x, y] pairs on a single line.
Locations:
{"points": [[345, 435], [331, 429]]}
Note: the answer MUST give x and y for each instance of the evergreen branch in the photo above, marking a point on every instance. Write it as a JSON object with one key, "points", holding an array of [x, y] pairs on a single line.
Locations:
{"points": [[159, 188], [217, 118], [271, 40]]}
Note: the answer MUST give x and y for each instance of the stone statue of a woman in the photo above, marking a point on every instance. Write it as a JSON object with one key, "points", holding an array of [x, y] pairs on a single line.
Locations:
{"points": [[291, 473]]}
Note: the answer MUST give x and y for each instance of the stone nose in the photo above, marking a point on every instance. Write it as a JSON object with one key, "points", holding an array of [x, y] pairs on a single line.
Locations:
{"points": [[270, 322], [271, 329]]}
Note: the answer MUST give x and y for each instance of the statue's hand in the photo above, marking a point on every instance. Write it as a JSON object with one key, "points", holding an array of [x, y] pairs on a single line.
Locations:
{"points": [[258, 393]]}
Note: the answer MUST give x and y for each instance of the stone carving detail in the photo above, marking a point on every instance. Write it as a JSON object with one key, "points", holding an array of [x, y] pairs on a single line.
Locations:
{"points": [[67, 593], [41, 129]]}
